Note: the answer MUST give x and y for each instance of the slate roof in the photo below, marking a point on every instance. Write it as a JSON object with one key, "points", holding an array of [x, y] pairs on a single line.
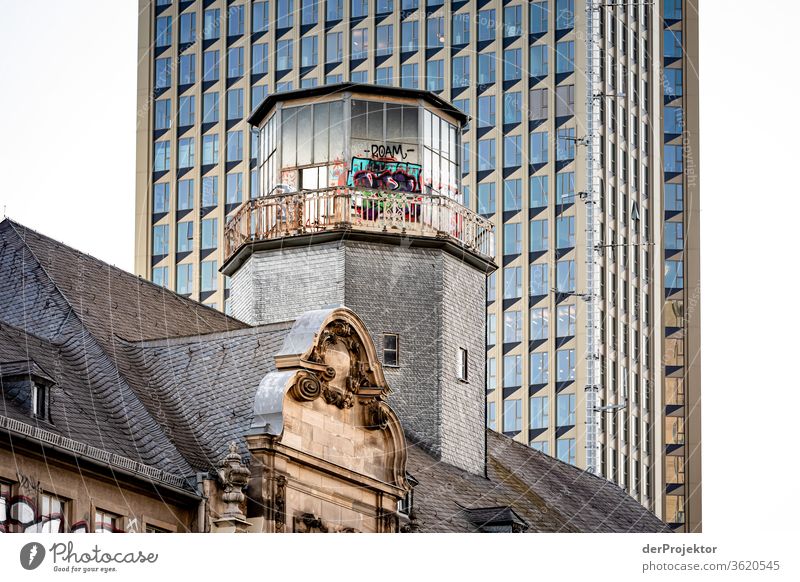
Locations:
{"points": [[549, 495], [94, 330], [148, 375]]}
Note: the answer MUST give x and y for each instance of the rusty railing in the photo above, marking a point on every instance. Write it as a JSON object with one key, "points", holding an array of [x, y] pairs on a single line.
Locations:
{"points": [[308, 212]]}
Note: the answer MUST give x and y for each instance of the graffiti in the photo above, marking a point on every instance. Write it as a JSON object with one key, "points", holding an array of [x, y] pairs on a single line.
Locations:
{"points": [[337, 173], [380, 151], [385, 174], [18, 515]]}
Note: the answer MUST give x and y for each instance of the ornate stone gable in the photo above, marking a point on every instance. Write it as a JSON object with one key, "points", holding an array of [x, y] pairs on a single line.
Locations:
{"points": [[323, 427]]}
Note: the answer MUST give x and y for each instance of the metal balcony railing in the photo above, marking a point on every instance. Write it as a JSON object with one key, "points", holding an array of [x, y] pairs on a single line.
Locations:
{"points": [[317, 211]]}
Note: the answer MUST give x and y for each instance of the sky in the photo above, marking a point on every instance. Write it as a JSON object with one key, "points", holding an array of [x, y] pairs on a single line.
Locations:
{"points": [[68, 121], [67, 153]]}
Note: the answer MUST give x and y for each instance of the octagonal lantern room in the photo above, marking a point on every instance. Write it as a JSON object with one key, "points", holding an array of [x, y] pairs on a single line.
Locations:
{"points": [[362, 157]]}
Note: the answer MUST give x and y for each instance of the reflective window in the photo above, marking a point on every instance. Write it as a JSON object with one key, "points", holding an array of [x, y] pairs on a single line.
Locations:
{"points": [[672, 43], [161, 198], [309, 12], [360, 43], [409, 36], [538, 64], [565, 56], [538, 191], [334, 9], [163, 73], [235, 20], [186, 111], [211, 24], [208, 276], [162, 115], [540, 323], [565, 410], [461, 29], [486, 198], [673, 196], [186, 194], [161, 156], [566, 320], [185, 236], [211, 66], [512, 64], [538, 285], [512, 107], [512, 195], [539, 235], [565, 232], [210, 187], [235, 62], [461, 74], [163, 32], [260, 58], [512, 415], [186, 152], [540, 411], [538, 147], [285, 13], [161, 240], [211, 107], [512, 282], [673, 235], [491, 329], [188, 27], [308, 51], [538, 17], [486, 154], [184, 279], [512, 21], [491, 415], [539, 368], [565, 363], [486, 68], [384, 40], [565, 450], [261, 16], [565, 14], [565, 275], [512, 238], [512, 327], [512, 371], [487, 23], [512, 151], [673, 274], [284, 54]]}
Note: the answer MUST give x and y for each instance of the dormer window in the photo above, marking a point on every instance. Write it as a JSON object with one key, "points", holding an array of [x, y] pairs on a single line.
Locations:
{"points": [[26, 387], [40, 401]]}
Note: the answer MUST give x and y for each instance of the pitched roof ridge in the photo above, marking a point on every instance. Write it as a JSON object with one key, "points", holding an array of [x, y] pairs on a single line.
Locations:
{"points": [[16, 226]]}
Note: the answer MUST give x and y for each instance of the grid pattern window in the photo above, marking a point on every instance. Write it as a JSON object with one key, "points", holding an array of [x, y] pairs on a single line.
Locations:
{"points": [[391, 349], [512, 415], [540, 412], [565, 410], [440, 154], [53, 513], [565, 450], [539, 368], [185, 194]]}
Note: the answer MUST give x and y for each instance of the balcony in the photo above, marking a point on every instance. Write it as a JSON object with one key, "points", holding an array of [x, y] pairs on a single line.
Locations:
{"points": [[347, 209]]}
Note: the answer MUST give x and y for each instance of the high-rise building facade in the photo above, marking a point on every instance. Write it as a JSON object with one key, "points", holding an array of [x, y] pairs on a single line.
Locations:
{"points": [[581, 147]]}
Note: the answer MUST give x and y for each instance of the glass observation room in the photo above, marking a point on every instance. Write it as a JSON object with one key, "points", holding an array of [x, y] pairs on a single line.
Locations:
{"points": [[358, 157], [359, 136]]}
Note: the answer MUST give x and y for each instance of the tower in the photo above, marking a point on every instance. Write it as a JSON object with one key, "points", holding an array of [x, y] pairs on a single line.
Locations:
{"points": [[362, 208]]}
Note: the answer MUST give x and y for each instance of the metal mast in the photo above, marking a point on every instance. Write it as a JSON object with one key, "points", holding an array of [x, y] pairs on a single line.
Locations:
{"points": [[591, 198]]}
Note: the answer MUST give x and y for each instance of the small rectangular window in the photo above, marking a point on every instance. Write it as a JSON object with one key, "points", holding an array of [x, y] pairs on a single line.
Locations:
{"points": [[391, 349], [107, 522], [39, 400], [463, 364]]}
